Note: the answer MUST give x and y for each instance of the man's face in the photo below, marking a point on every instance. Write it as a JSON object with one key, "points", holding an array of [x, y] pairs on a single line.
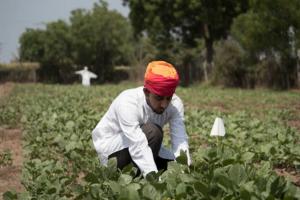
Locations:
{"points": [[157, 103]]}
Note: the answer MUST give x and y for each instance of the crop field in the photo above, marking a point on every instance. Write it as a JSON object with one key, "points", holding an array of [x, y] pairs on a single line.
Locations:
{"points": [[259, 157]]}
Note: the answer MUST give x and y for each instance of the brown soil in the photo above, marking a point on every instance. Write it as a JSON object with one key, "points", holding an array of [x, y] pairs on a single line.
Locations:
{"points": [[5, 89], [10, 139], [10, 176], [295, 123], [292, 175]]}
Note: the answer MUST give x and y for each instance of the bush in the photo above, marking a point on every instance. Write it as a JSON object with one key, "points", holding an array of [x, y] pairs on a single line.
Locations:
{"points": [[273, 73], [121, 73], [229, 65], [19, 72]]}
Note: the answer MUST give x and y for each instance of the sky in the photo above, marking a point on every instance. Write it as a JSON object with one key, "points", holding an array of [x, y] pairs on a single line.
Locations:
{"points": [[17, 15]]}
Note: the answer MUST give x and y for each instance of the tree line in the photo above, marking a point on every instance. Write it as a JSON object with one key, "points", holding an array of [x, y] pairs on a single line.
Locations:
{"points": [[97, 38], [242, 43]]}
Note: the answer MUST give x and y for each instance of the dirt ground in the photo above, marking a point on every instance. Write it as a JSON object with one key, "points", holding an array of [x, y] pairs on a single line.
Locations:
{"points": [[5, 89], [10, 139], [10, 176], [291, 174]]}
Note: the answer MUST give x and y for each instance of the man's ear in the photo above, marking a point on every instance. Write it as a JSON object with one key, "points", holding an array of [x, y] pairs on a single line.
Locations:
{"points": [[146, 92]]}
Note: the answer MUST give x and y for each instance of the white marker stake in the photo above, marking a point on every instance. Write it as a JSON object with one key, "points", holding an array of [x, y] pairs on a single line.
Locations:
{"points": [[218, 128]]}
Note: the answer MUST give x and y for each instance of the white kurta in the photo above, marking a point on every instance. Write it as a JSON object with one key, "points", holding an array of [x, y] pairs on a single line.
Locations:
{"points": [[120, 128]]}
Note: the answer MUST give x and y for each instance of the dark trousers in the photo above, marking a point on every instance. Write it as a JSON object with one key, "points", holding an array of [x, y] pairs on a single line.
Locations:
{"points": [[154, 136]]}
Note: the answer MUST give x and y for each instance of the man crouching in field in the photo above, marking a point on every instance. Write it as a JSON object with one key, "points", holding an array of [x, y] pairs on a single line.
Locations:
{"points": [[131, 129]]}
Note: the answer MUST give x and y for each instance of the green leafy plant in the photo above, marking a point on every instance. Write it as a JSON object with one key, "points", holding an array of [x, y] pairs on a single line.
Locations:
{"points": [[6, 158], [61, 163]]}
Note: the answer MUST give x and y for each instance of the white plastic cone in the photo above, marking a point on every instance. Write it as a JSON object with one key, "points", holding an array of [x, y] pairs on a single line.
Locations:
{"points": [[218, 128]]}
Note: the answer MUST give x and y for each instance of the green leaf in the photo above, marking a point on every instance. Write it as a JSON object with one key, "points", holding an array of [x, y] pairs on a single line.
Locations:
{"points": [[186, 178], [96, 190], [293, 192], [116, 188], [134, 186], [112, 163], [228, 161], [149, 192], [70, 146], [70, 125], [246, 190], [51, 190], [281, 137], [78, 189], [127, 168], [181, 189], [152, 177], [297, 164], [182, 159], [277, 186], [9, 195], [58, 139], [124, 179], [92, 178], [266, 148], [224, 183], [74, 138], [131, 192], [246, 157], [245, 195], [202, 188], [160, 186], [237, 173]]}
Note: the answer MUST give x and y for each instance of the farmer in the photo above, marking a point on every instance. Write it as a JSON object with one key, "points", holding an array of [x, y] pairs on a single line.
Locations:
{"points": [[131, 129]]}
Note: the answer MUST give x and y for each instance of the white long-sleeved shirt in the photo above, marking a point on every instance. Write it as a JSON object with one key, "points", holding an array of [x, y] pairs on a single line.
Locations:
{"points": [[120, 128]]}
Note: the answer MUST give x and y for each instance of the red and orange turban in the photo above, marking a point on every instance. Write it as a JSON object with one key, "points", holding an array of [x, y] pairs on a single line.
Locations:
{"points": [[161, 78]]}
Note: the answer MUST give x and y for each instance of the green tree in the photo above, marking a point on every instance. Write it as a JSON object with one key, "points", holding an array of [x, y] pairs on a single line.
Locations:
{"points": [[185, 21], [50, 47], [32, 45], [98, 38], [265, 29], [57, 57], [102, 39]]}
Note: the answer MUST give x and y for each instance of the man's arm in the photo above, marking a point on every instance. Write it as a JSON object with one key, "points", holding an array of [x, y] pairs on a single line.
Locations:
{"points": [[179, 138], [139, 150]]}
